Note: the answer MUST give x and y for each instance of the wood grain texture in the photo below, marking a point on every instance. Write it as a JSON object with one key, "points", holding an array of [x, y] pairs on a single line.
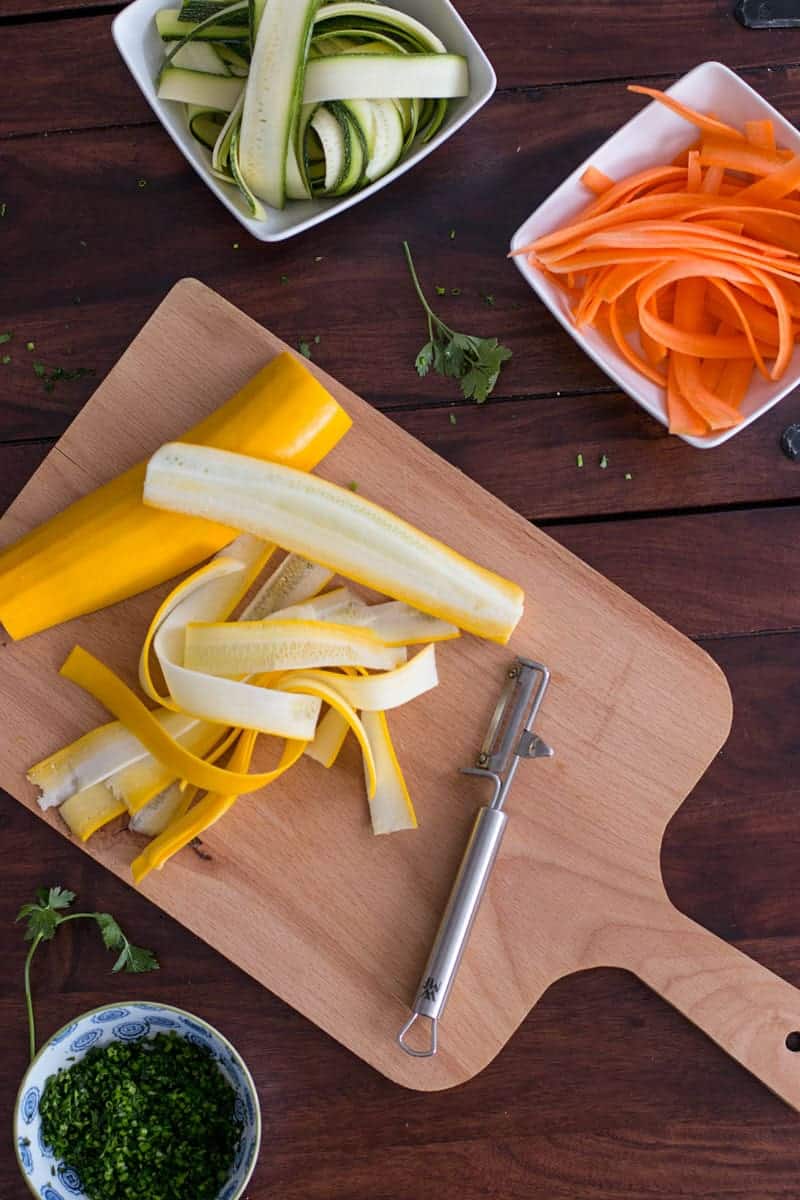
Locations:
{"points": [[532, 44], [503, 163], [636, 712], [659, 560], [667, 1114]]}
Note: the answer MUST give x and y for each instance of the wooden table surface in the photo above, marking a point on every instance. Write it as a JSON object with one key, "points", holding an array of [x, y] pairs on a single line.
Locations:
{"points": [[604, 1093]]}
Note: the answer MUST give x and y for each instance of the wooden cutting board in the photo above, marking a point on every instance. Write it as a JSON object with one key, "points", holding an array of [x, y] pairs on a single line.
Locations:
{"points": [[292, 886]]}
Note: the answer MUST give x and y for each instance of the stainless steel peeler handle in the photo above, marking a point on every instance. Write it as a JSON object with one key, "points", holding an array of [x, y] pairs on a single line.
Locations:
{"points": [[455, 925]]}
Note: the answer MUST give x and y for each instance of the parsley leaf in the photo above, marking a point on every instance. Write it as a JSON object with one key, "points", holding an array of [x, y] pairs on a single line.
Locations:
{"points": [[43, 919], [475, 362]]}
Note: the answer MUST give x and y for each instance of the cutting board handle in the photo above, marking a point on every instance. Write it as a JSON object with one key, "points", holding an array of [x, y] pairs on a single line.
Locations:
{"points": [[751, 1013]]}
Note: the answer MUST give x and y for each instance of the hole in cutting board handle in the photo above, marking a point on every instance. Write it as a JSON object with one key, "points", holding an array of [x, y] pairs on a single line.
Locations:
{"points": [[793, 1042]]}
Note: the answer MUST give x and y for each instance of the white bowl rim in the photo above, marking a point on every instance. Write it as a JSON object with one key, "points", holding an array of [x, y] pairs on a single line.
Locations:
{"points": [[156, 1004]]}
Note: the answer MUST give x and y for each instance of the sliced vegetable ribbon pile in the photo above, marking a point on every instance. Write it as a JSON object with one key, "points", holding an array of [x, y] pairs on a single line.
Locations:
{"points": [[692, 269]]}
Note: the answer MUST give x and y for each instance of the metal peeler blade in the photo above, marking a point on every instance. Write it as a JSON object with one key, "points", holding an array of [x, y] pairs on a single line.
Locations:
{"points": [[509, 739]]}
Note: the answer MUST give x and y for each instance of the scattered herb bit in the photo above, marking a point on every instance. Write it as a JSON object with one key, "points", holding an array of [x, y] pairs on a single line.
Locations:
{"points": [[317, 339], [579, 460], [236, 245], [304, 348], [6, 359], [476, 362], [3, 209], [453, 419], [59, 374], [154, 1118], [284, 278], [452, 235], [5, 337], [142, 183], [83, 244], [603, 462], [628, 475], [441, 291], [30, 345], [353, 486], [43, 919], [488, 299], [319, 258], [455, 291]]}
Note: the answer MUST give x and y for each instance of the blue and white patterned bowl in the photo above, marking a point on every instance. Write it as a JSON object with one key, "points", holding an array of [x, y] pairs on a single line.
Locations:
{"points": [[49, 1179]]}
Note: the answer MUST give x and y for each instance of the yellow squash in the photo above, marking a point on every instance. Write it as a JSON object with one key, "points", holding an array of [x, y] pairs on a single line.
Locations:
{"points": [[108, 545]]}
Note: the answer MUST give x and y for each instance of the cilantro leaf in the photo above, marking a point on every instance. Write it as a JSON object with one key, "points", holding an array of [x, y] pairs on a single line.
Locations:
{"points": [[42, 917], [476, 362]]}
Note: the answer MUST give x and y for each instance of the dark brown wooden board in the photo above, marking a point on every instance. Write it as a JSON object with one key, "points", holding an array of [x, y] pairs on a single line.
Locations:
{"points": [[532, 43]]}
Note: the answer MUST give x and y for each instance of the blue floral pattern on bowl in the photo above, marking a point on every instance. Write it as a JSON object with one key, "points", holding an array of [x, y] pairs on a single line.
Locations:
{"points": [[125, 1023]]}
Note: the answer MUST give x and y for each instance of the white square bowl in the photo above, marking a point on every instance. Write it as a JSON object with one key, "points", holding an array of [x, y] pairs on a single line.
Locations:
{"points": [[142, 49], [654, 137]]}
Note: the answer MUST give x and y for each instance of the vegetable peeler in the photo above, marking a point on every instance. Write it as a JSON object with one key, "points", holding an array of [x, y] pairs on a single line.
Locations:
{"points": [[509, 739]]}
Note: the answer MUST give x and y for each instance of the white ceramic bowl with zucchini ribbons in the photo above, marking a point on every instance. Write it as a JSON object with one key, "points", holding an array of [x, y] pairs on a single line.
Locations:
{"points": [[294, 110], [50, 1179]]}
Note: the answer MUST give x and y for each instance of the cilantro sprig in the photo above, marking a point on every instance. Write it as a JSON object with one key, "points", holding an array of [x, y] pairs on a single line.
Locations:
{"points": [[43, 919], [476, 362]]}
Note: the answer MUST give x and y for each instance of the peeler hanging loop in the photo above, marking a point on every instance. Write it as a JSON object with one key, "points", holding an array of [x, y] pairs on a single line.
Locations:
{"points": [[434, 1042]]}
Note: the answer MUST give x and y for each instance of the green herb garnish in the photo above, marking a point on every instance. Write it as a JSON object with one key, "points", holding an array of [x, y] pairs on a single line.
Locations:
{"points": [[603, 462], [43, 919], [284, 278], [57, 374], [475, 362], [453, 419], [628, 475], [142, 183], [579, 460], [6, 359], [440, 291], [5, 337], [488, 299], [304, 347], [353, 486], [452, 235], [30, 346], [3, 209], [154, 1118]]}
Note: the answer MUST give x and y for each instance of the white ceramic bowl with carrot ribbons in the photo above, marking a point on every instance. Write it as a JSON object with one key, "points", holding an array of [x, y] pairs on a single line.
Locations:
{"points": [[702, 327]]}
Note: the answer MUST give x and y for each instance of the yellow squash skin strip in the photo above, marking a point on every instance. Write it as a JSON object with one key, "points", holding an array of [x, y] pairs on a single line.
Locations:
{"points": [[337, 528], [162, 810], [207, 811], [96, 756], [210, 594], [89, 810], [138, 784], [99, 681], [309, 684], [108, 546], [390, 807], [330, 737], [234, 648], [390, 689]]}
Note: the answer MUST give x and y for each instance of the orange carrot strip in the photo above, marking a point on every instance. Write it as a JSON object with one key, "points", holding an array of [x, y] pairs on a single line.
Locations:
{"points": [[694, 172], [713, 181], [596, 181], [711, 370], [785, 328], [776, 185], [743, 323], [628, 352], [714, 411], [706, 123], [738, 156], [737, 374], [761, 134], [682, 417]]}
